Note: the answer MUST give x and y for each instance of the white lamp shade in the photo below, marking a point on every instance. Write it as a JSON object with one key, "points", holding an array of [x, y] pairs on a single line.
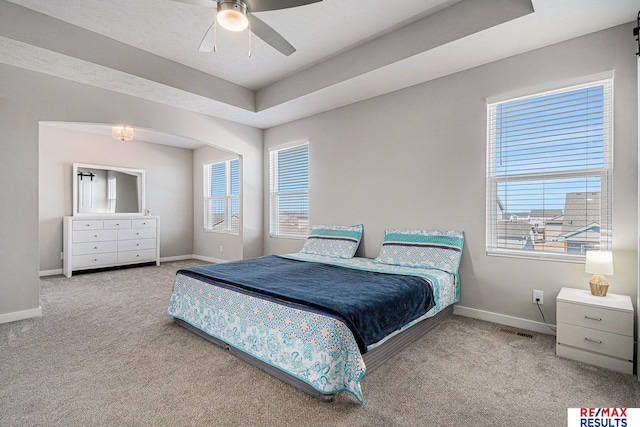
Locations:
{"points": [[599, 262]]}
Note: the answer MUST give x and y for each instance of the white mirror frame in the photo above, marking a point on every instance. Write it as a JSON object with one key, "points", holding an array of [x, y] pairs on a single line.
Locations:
{"points": [[141, 188]]}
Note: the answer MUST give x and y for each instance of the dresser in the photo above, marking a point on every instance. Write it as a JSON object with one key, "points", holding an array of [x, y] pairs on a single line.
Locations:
{"points": [[105, 241], [595, 330]]}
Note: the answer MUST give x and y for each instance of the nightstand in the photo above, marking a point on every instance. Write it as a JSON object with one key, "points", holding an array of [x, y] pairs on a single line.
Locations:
{"points": [[595, 330]]}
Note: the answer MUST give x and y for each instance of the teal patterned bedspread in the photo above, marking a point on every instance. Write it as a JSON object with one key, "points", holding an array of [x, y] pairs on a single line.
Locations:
{"points": [[317, 349]]}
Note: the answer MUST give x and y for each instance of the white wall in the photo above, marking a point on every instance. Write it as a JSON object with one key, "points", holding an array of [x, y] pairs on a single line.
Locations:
{"points": [[168, 185], [206, 243], [415, 158], [27, 98]]}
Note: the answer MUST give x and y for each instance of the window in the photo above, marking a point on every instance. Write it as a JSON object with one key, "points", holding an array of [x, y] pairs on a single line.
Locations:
{"points": [[222, 196], [289, 191], [111, 194], [549, 163]]}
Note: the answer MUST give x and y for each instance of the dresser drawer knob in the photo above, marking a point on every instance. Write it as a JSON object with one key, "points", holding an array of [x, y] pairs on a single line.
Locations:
{"points": [[95, 247], [593, 341], [597, 319], [95, 235]]}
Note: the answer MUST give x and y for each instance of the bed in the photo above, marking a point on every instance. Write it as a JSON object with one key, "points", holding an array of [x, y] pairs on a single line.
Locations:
{"points": [[314, 320]]}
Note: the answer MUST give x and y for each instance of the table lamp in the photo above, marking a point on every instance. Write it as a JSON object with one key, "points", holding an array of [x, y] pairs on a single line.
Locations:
{"points": [[599, 263]]}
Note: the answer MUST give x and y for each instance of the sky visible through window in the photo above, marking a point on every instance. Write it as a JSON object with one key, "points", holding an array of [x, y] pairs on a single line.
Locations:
{"points": [[539, 137]]}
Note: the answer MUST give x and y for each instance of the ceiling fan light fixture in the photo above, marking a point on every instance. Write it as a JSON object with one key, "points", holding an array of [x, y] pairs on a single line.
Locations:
{"points": [[232, 15]]}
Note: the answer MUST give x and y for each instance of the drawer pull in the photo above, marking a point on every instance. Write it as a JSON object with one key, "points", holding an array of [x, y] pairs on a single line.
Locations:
{"points": [[95, 247], [95, 235], [593, 318], [137, 255], [88, 225], [593, 341], [137, 244], [95, 260]]}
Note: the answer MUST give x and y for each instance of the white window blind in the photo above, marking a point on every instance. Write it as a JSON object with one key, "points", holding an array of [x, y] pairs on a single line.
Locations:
{"points": [[222, 196], [289, 191], [549, 163]]}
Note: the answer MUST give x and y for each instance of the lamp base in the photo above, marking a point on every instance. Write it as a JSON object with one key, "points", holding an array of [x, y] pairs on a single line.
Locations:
{"points": [[599, 285]]}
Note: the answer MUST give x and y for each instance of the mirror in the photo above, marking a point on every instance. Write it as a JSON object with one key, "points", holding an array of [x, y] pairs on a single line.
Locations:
{"points": [[107, 190]]}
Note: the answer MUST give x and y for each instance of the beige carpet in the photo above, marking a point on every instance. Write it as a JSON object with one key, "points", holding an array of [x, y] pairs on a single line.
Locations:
{"points": [[105, 354]]}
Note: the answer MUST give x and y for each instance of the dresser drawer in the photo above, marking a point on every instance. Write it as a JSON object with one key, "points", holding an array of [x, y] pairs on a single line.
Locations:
{"points": [[115, 224], [94, 236], [615, 345], [618, 322], [137, 233], [137, 256], [95, 247], [88, 225], [143, 223], [136, 244], [94, 260]]}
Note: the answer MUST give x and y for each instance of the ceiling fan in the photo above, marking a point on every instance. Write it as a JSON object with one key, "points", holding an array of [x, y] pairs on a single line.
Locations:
{"points": [[238, 15]]}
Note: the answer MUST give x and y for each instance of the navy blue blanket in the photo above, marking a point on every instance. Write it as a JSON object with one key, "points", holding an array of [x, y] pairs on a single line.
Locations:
{"points": [[371, 304]]}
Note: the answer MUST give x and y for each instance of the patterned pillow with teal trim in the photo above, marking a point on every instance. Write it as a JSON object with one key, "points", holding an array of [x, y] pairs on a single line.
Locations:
{"points": [[333, 240], [422, 248]]}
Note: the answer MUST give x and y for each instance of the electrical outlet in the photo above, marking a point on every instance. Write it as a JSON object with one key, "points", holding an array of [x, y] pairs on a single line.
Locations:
{"points": [[61, 255], [220, 248], [538, 295]]}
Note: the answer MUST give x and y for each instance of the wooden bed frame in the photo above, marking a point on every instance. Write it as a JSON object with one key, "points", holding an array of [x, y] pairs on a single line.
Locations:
{"points": [[373, 358]]}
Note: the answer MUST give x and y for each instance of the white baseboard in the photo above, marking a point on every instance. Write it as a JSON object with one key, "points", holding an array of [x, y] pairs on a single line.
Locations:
{"points": [[503, 319], [176, 258], [20, 315], [208, 259], [50, 272], [192, 256]]}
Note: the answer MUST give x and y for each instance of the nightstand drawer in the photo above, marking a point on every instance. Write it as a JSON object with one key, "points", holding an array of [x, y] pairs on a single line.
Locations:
{"points": [[602, 319], [615, 345]]}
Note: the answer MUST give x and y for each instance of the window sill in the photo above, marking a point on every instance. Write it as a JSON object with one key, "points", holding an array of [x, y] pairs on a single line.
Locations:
{"points": [[233, 233], [541, 256], [291, 237]]}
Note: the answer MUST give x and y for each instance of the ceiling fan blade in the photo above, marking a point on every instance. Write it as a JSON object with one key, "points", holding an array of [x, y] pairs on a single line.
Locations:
{"points": [[264, 5], [206, 3], [209, 40], [270, 36]]}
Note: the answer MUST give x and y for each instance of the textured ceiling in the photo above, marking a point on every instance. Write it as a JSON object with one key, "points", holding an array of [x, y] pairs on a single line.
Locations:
{"points": [[347, 51]]}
